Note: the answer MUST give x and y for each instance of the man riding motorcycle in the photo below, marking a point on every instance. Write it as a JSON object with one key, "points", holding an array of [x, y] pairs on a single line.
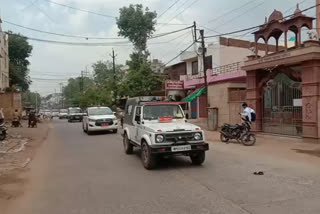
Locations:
{"points": [[248, 113]]}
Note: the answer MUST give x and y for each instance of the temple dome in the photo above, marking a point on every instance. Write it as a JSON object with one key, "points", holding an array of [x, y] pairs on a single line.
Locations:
{"points": [[297, 12], [275, 16]]}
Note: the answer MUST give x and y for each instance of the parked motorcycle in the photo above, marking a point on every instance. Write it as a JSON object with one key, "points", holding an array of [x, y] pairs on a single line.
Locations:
{"points": [[3, 131], [239, 132]]}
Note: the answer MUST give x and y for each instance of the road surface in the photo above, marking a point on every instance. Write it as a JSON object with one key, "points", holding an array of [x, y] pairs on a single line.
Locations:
{"points": [[78, 174]]}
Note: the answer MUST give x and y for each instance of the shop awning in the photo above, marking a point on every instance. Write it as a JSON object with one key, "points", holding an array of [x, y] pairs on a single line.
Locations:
{"points": [[195, 94]]}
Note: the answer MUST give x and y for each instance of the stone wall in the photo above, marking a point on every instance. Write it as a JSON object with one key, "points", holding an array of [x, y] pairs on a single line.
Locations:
{"points": [[218, 96], [9, 102]]}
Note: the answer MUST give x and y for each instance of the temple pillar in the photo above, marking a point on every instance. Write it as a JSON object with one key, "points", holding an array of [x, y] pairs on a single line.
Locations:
{"points": [[311, 98], [267, 47], [299, 37], [286, 40], [253, 98]]}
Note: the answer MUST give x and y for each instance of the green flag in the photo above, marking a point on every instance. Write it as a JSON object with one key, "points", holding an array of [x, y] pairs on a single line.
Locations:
{"points": [[292, 39]]}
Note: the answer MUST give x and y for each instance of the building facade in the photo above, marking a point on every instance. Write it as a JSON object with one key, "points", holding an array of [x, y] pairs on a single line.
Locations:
{"points": [[157, 66], [284, 86], [226, 80], [4, 60]]}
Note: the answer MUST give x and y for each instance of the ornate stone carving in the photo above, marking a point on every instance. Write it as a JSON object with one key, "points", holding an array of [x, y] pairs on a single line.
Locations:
{"points": [[313, 35]]}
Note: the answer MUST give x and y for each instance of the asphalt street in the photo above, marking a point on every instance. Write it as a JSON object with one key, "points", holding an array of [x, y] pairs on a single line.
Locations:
{"points": [[74, 173]]}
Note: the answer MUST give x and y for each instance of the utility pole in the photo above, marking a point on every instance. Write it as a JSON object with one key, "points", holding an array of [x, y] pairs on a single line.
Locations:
{"points": [[61, 94], [204, 63], [115, 94], [195, 31], [36, 102], [318, 16]]}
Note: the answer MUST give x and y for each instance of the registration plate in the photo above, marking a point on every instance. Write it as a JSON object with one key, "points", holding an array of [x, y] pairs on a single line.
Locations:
{"points": [[181, 148], [104, 124]]}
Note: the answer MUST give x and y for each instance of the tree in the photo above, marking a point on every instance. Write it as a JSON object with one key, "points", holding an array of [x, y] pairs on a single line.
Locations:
{"points": [[137, 24], [19, 52], [31, 99], [72, 93], [141, 82]]}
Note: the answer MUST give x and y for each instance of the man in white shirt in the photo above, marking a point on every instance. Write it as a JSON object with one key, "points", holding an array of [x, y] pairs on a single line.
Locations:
{"points": [[248, 112]]}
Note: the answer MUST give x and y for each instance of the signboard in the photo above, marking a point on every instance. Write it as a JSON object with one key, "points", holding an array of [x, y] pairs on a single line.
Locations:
{"points": [[174, 85], [275, 57]]}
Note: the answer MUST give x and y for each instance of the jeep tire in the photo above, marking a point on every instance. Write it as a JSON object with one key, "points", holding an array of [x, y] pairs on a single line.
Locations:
{"points": [[128, 147], [148, 160], [198, 158]]}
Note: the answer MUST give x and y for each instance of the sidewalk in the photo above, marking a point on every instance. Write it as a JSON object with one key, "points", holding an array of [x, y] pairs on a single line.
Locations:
{"points": [[290, 148], [16, 152]]}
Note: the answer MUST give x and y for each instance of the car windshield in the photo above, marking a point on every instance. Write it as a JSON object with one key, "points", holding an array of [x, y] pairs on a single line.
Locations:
{"points": [[100, 111], [75, 110], [153, 112], [63, 111]]}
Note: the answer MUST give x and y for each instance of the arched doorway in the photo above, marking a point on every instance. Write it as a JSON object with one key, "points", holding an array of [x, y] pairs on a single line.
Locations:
{"points": [[282, 106]]}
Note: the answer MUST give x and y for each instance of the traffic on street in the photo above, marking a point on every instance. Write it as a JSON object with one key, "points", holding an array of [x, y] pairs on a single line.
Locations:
{"points": [[160, 107], [79, 173]]}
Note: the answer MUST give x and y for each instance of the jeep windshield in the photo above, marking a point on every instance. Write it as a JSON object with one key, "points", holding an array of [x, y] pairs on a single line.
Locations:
{"points": [[100, 111], [75, 110], [153, 112]]}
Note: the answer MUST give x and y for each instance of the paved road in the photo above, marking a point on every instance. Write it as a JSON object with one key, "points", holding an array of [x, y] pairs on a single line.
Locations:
{"points": [[78, 174]]}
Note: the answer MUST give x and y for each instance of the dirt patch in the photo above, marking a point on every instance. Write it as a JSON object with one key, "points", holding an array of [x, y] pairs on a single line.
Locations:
{"points": [[16, 152], [309, 152]]}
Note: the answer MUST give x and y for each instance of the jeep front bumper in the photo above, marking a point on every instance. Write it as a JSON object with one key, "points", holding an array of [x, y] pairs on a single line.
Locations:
{"points": [[174, 148]]}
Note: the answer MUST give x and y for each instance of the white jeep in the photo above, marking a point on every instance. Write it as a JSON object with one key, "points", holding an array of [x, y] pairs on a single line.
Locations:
{"points": [[160, 129]]}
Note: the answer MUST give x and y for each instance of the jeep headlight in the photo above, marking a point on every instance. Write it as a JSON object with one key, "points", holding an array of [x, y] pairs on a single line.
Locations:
{"points": [[92, 120], [197, 136], [159, 138]]}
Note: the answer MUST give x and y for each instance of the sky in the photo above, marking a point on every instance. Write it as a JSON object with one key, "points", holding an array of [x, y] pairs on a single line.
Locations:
{"points": [[52, 64]]}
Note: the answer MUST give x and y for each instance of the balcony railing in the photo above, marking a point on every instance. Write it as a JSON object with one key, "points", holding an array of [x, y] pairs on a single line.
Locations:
{"points": [[229, 68]]}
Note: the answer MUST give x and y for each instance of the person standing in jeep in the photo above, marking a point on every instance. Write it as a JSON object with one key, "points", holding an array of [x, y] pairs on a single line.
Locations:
{"points": [[248, 113]]}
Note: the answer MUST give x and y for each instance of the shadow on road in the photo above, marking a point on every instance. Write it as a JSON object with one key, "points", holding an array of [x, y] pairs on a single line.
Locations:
{"points": [[169, 162], [309, 152]]}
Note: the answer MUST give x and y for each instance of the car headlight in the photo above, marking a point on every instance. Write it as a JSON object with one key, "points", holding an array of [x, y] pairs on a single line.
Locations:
{"points": [[159, 138], [197, 136], [92, 120]]}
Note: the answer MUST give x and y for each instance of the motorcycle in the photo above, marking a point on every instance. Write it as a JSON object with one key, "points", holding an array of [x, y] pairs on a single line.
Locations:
{"points": [[3, 131], [239, 132]]}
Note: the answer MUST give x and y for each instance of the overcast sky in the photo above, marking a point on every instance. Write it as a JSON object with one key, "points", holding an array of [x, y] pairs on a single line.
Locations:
{"points": [[52, 61]]}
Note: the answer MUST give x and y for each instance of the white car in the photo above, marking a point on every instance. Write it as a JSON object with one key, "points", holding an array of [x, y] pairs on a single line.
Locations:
{"points": [[99, 119], [63, 114]]}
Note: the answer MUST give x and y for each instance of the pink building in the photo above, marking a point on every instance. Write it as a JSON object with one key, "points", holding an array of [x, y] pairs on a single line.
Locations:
{"points": [[226, 79]]}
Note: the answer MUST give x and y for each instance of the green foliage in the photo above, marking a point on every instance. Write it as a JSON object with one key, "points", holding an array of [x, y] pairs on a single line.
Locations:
{"points": [[19, 52], [137, 24], [31, 99], [95, 96], [72, 93], [141, 82]]}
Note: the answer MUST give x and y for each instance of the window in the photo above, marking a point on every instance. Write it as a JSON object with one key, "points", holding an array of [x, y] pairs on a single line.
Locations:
{"points": [[153, 112], [138, 111], [137, 117], [237, 94], [208, 62], [100, 111], [195, 68], [129, 109]]}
